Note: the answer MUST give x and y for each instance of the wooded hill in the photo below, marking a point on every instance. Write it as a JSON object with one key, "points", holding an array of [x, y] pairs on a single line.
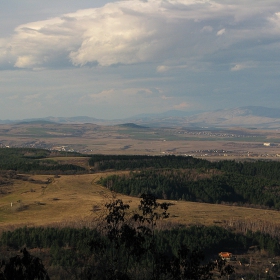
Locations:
{"points": [[254, 184], [187, 178], [70, 252]]}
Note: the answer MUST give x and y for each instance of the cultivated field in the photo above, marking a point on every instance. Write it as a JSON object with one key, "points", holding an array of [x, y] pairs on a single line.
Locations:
{"points": [[231, 143]]}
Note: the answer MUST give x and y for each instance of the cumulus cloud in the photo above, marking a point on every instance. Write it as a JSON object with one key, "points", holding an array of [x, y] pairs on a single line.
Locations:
{"points": [[130, 32]]}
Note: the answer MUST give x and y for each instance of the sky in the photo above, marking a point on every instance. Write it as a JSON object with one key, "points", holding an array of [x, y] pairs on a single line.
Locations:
{"points": [[116, 59]]}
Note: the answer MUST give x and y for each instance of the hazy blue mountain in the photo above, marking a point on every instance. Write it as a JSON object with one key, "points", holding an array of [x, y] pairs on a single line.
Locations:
{"points": [[35, 121], [78, 119], [262, 111], [167, 114], [248, 116]]}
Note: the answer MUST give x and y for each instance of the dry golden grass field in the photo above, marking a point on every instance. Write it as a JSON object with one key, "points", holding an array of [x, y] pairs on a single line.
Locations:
{"points": [[78, 200]]}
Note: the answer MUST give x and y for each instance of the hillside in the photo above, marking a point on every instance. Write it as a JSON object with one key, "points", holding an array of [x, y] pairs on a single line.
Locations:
{"points": [[78, 199], [68, 195], [62, 218]]}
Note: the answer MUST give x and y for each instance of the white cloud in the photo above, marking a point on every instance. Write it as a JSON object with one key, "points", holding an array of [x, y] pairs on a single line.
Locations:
{"points": [[162, 68], [130, 32], [25, 61], [221, 32]]}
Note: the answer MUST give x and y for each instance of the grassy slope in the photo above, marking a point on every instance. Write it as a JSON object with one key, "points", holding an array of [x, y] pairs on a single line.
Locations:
{"points": [[71, 199]]}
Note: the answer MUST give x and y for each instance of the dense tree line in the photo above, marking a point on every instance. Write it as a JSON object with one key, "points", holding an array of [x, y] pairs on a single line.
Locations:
{"points": [[40, 237], [66, 243], [250, 183], [123, 162], [25, 166], [24, 152], [195, 186], [27, 160], [264, 169]]}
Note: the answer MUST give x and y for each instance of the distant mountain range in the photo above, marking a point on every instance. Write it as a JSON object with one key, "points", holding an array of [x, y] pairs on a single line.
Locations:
{"points": [[250, 116]]}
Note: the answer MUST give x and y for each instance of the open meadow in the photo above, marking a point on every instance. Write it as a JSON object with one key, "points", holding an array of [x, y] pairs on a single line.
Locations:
{"points": [[78, 200]]}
